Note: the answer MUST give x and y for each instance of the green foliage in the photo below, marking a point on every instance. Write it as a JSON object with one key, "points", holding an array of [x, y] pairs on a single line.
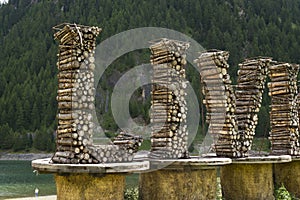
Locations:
{"points": [[7, 137], [43, 140], [110, 134], [22, 142], [146, 145], [131, 194], [108, 122], [282, 194], [263, 126], [261, 144]]}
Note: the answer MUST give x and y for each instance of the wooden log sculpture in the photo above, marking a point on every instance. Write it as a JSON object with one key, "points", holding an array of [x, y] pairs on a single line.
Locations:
{"points": [[130, 142], [169, 135], [252, 76], [232, 117], [219, 101], [75, 96], [284, 134]]}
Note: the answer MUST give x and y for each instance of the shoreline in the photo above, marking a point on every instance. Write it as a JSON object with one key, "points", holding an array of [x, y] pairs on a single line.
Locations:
{"points": [[50, 197], [24, 156]]}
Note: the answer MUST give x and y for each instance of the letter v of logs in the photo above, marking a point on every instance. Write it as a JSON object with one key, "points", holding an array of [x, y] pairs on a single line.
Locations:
{"points": [[232, 115], [75, 96]]}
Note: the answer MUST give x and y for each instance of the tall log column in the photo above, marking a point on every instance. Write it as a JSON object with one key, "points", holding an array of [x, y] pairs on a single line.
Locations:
{"points": [[76, 107], [252, 76], [219, 101], [75, 93], [284, 134], [285, 112], [169, 137]]}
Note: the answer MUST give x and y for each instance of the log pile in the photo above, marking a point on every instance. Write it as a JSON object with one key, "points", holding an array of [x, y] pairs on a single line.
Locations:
{"points": [[128, 141], [219, 101], [169, 135], [232, 116], [75, 96], [298, 104], [284, 134], [252, 76]]}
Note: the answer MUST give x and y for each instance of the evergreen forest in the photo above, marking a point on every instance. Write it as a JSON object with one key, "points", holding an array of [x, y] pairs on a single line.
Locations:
{"points": [[28, 81]]}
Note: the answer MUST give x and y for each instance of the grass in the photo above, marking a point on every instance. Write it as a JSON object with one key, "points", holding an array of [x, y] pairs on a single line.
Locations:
{"points": [[261, 145], [146, 145]]}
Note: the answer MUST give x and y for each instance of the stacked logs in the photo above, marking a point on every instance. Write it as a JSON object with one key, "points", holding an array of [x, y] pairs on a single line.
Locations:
{"points": [[298, 104], [130, 142], [284, 135], [252, 75], [110, 153], [169, 135], [75, 93], [75, 96], [219, 101]]}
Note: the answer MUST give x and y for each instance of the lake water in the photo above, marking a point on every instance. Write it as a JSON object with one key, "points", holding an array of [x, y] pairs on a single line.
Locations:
{"points": [[18, 180]]}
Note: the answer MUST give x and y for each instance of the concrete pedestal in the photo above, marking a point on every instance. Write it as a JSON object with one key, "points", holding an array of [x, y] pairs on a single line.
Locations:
{"points": [[85, 186], [250, 178], [89, 181], [288, 174], [181, 180]]}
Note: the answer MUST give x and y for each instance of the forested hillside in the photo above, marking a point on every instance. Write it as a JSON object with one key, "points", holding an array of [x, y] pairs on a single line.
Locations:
{"points": [[28, 81]]}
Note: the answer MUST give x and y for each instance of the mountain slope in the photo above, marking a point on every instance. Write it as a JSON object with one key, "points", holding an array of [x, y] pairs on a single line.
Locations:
{"points": [[28, 53]]}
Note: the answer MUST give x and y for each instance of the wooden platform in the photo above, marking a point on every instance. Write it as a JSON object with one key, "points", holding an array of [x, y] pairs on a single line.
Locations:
{"points": [[45, 166]]}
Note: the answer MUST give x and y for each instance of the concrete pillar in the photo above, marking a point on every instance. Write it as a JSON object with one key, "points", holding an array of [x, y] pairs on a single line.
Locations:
{"points": [[90, 187], [182, 179], [288, 174], [250, 178]]}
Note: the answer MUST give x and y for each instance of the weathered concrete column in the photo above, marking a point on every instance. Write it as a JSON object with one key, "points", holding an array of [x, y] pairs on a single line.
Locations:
{"points": [[250, 178], [86, 186], [90, 181], [181, 179], [288, 174]]}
